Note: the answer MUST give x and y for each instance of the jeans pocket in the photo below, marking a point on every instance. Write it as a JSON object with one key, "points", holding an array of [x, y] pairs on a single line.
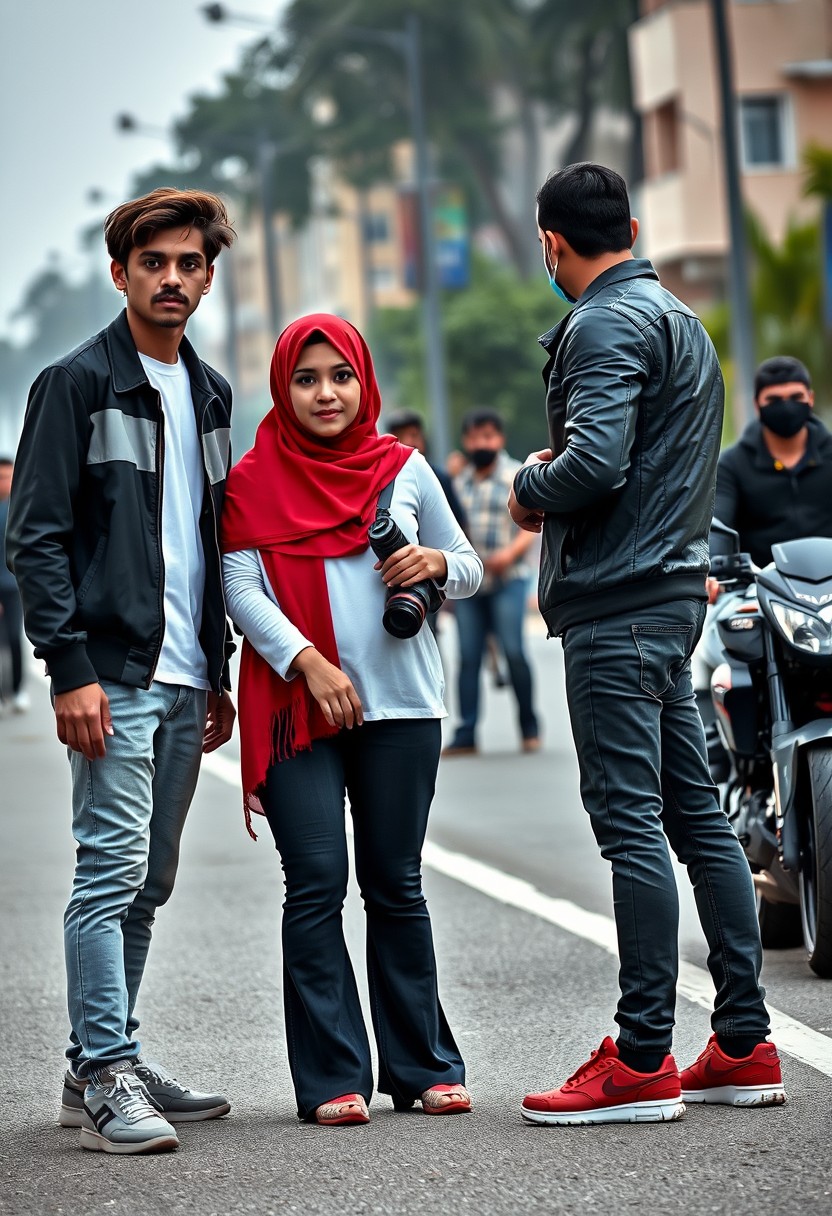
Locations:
{"points": [[663, 650]]}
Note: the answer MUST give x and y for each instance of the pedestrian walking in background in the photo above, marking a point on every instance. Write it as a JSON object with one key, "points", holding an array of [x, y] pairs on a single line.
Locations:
{"points": [[409, 428], [499, 607], [333, 705], [112, 537], [11, 612], [624, 497]]}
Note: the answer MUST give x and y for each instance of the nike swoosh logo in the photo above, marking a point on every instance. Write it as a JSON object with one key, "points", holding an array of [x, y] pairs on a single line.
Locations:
{"points": [[613, 1091]]}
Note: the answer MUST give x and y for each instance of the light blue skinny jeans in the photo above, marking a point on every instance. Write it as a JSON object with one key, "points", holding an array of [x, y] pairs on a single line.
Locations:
{"points": [[128, 812]]}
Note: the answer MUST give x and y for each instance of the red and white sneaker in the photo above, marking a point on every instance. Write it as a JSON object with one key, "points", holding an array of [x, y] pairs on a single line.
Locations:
{"points": [[605, 1090], [754, 1080]]}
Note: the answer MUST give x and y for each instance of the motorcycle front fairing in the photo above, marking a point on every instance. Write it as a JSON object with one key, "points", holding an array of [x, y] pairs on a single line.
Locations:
{"points": [[795, 594]]}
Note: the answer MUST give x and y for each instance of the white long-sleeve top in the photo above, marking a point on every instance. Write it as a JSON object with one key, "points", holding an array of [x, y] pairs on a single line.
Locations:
{"points": [[394, 677]]}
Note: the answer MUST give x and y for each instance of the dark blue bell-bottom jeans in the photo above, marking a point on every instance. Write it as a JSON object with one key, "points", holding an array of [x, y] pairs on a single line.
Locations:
{"points": [[645, 782], [388, 771]]}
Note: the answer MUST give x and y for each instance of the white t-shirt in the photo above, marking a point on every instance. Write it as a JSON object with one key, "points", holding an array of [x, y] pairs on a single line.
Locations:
{"points": [[394, 677], [182, 659]]}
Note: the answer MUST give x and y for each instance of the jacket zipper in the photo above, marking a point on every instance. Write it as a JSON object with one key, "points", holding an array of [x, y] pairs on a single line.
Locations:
{"points": [[215, 521], [160, 460]]}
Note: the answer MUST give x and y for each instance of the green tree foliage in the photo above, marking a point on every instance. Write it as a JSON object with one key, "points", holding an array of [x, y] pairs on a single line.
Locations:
{"points": [[786, 301], [493, 357]]}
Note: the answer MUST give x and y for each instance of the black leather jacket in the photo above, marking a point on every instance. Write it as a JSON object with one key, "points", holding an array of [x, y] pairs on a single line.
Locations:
{"points": [[635, 401], [84, 531]]}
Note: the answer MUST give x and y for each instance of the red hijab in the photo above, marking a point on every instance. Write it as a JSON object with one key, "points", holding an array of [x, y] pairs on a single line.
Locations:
{"points": [[299, 499]]}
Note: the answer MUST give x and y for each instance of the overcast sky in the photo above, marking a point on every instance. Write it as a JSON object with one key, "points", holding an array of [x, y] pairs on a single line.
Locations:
{"points": [[67, 67]]}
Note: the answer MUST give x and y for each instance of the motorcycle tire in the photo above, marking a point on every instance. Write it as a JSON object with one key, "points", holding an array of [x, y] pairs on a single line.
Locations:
{"points": [[781, 925], [816, 865]]}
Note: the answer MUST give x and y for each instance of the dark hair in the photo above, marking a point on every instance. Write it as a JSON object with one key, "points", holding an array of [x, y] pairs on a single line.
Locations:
{"points": [[399, 419], [6, 460], [782, 369], [133, 224], [588, 205], [483, 415]]}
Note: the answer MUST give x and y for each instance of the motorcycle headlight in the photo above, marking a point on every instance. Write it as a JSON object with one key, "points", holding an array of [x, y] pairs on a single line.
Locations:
{"points": [[803, 629]]}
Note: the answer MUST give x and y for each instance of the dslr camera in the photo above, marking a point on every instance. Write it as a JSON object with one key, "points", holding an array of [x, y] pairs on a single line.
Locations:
{"points": [[406, 607]]}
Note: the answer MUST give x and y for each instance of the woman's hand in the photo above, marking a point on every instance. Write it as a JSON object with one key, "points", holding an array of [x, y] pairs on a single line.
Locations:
{"points": [[339, 702], [411, 565]]}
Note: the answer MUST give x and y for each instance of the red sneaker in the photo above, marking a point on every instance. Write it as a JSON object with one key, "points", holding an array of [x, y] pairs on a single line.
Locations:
{"points": [[604, 1090], [754, 1080]]}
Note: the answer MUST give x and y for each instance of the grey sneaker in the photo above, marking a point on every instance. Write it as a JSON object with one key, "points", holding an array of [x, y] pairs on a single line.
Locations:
{"points": [[120, 1116], [177, 1103]]}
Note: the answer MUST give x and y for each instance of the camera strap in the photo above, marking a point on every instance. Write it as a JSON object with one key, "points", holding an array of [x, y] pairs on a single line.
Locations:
{"points": [[385, 498]]}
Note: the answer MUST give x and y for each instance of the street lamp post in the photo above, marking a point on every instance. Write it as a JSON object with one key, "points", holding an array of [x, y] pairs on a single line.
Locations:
{"points": [[408, 43], [742, 341]]}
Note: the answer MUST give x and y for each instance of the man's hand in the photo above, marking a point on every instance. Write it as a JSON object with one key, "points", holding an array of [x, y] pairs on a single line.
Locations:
{"points": [[219, 722], [525, 518], [411, 565], [331, 688], [83, 719], [713, 589]]}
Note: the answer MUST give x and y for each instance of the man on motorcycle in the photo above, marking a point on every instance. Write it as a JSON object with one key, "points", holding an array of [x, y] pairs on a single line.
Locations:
{"points": [[773, 484]]}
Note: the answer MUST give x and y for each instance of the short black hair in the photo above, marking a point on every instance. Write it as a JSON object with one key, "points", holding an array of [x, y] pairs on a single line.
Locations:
{"points": [[483, 415], [589, 206], [7, 460], [399, 419], [782, 369]]}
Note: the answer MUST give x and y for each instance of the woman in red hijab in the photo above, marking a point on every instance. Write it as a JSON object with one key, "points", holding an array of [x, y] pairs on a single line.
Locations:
{"points": [[333, 706]]}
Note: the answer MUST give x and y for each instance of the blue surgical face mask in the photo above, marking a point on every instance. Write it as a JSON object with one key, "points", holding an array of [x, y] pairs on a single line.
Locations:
{"points": [[554, 284]]}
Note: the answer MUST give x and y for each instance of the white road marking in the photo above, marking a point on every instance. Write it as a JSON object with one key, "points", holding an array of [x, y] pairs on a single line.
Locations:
{"points": [[791, 1036]]}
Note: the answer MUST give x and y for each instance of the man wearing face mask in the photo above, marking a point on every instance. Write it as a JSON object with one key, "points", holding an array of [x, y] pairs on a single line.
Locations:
{"points": [[773, 485], [624, 497], [499, 607]]}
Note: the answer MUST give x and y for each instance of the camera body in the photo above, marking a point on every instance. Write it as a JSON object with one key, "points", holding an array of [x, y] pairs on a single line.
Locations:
{"points": [[405, 608]]}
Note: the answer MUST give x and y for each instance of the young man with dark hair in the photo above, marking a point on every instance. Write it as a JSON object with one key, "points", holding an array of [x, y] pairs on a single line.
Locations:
{"points": [[499, 606], [112, 537], [773, 485], [624, 498], [11, 614]]}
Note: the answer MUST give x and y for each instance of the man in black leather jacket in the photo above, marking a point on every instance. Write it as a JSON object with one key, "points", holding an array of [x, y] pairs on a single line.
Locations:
{"points": [[112, 537], [624, 498]]}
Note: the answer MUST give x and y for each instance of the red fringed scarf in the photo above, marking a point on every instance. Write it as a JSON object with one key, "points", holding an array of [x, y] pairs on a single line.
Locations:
{"points": [[299, 499]]}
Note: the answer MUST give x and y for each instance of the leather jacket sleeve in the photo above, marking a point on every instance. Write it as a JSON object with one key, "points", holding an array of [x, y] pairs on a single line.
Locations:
{"points": [[47, 475], [602, 366]]}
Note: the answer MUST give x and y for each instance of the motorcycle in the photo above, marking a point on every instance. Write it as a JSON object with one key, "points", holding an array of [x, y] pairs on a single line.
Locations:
{"points": [[769, 646]]}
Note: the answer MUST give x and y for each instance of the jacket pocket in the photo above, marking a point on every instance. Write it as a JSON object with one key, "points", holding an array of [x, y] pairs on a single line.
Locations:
{"points": [[86, 581], [578, 549], [663, 650]]}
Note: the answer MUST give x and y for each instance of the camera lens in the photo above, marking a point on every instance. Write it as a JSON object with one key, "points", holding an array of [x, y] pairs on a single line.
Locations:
{"points": [[404, 612]]}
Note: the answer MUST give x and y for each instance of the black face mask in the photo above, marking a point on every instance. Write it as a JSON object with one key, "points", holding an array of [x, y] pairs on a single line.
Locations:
{"points": [[482, 458], [785, 416]]}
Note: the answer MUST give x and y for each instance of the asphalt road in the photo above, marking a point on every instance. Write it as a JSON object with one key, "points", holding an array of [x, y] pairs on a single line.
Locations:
{"points": [[527, 999]]}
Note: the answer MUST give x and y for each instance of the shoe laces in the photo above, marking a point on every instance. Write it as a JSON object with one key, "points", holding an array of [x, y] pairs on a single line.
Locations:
{"points": [[595, 1064], [147, 1072], [130, 1096]]}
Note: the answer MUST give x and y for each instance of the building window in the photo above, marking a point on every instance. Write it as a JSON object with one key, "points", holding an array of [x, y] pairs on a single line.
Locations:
{"points": [[377, 227], [766, 134]]}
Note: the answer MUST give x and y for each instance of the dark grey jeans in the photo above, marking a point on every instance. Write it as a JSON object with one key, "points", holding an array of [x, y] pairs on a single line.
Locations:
{"points": [[644, 783]]}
